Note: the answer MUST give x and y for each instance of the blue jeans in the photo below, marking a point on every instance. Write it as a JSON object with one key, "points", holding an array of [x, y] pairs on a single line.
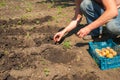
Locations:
{"points": [[92, 11]]}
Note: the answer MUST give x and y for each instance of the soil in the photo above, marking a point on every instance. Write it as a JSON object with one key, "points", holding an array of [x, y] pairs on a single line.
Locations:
{"points": [[27, 49]]}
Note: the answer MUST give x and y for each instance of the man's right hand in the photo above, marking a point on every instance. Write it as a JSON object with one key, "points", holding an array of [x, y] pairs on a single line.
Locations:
{"points": [[58, 36]]}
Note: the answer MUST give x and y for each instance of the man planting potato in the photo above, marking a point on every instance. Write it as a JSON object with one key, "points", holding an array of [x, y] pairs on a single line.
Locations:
{"points": [[97, 13]]}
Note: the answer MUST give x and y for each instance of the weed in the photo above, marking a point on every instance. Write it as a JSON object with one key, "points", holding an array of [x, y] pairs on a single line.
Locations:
{"points": [[19, 66], [59, 10], [2, 3], [29, 7], [19, 22], [42, 61], [68, 20], [2, 26], [52, 1], [25, 16], [37, 21], [28, 35], [6, 52], [17, 7], [64, 15], [46, 71], [54, 17], [66, 44], [50, 6], [31, 28]]}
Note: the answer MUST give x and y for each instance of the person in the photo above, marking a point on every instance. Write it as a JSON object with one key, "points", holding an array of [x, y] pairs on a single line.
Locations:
{"points": [[97, 13]]}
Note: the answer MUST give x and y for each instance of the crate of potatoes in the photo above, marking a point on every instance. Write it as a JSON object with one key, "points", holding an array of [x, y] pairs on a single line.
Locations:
{"points": [[105, 53]]}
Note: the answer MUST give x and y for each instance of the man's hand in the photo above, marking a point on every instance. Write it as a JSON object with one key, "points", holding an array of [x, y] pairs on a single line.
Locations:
{"points": [[83, 32], [58, 36]]}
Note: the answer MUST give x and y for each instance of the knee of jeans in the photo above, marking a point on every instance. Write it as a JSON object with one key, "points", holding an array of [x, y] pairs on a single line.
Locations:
{"points": [[85, 4], [112, 27]]}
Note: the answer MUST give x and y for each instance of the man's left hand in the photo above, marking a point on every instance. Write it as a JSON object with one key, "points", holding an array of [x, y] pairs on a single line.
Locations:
{"points": [[83, 32]]}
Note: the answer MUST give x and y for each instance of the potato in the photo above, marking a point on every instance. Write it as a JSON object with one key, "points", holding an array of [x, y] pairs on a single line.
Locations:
{"points": [[99, 52], [107, 51], [103, 49], [111, 50], [109, 55], [114, 53]]}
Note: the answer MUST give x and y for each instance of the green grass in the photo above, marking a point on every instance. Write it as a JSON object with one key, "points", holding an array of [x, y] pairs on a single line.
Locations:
{"points": [[17, 7], [25, 16], [28, 35], [29, 7], [59, 10], [46, 71], [66, 44], [6, 52], [2, 3], [19, 22], [50, 5]]}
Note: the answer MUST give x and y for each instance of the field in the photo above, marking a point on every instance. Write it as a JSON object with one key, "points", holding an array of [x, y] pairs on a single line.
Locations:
{"points": [[28, 52]]}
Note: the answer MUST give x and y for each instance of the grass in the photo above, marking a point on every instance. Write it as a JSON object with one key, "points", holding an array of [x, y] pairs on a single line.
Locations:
{"points": [[59, 10], [17, 7], [2, 3], [29, 7], [27, 35], [19, 22], [2, 26], [31, 27], [66, 44], [46, 71], [50, 5], [25, 16], [6, 52]]}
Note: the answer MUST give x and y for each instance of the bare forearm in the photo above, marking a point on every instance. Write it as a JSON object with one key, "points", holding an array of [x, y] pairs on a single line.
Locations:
{"points": [[102, 20], [76, 19], [110, 12], [71, 26]]}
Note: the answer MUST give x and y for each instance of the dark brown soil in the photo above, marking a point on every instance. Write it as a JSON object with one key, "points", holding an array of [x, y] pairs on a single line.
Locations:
{"points": [[27, 49]]}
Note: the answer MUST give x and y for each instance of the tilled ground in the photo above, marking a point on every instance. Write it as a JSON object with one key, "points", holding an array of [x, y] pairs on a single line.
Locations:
{"points": [[27, 49]]}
